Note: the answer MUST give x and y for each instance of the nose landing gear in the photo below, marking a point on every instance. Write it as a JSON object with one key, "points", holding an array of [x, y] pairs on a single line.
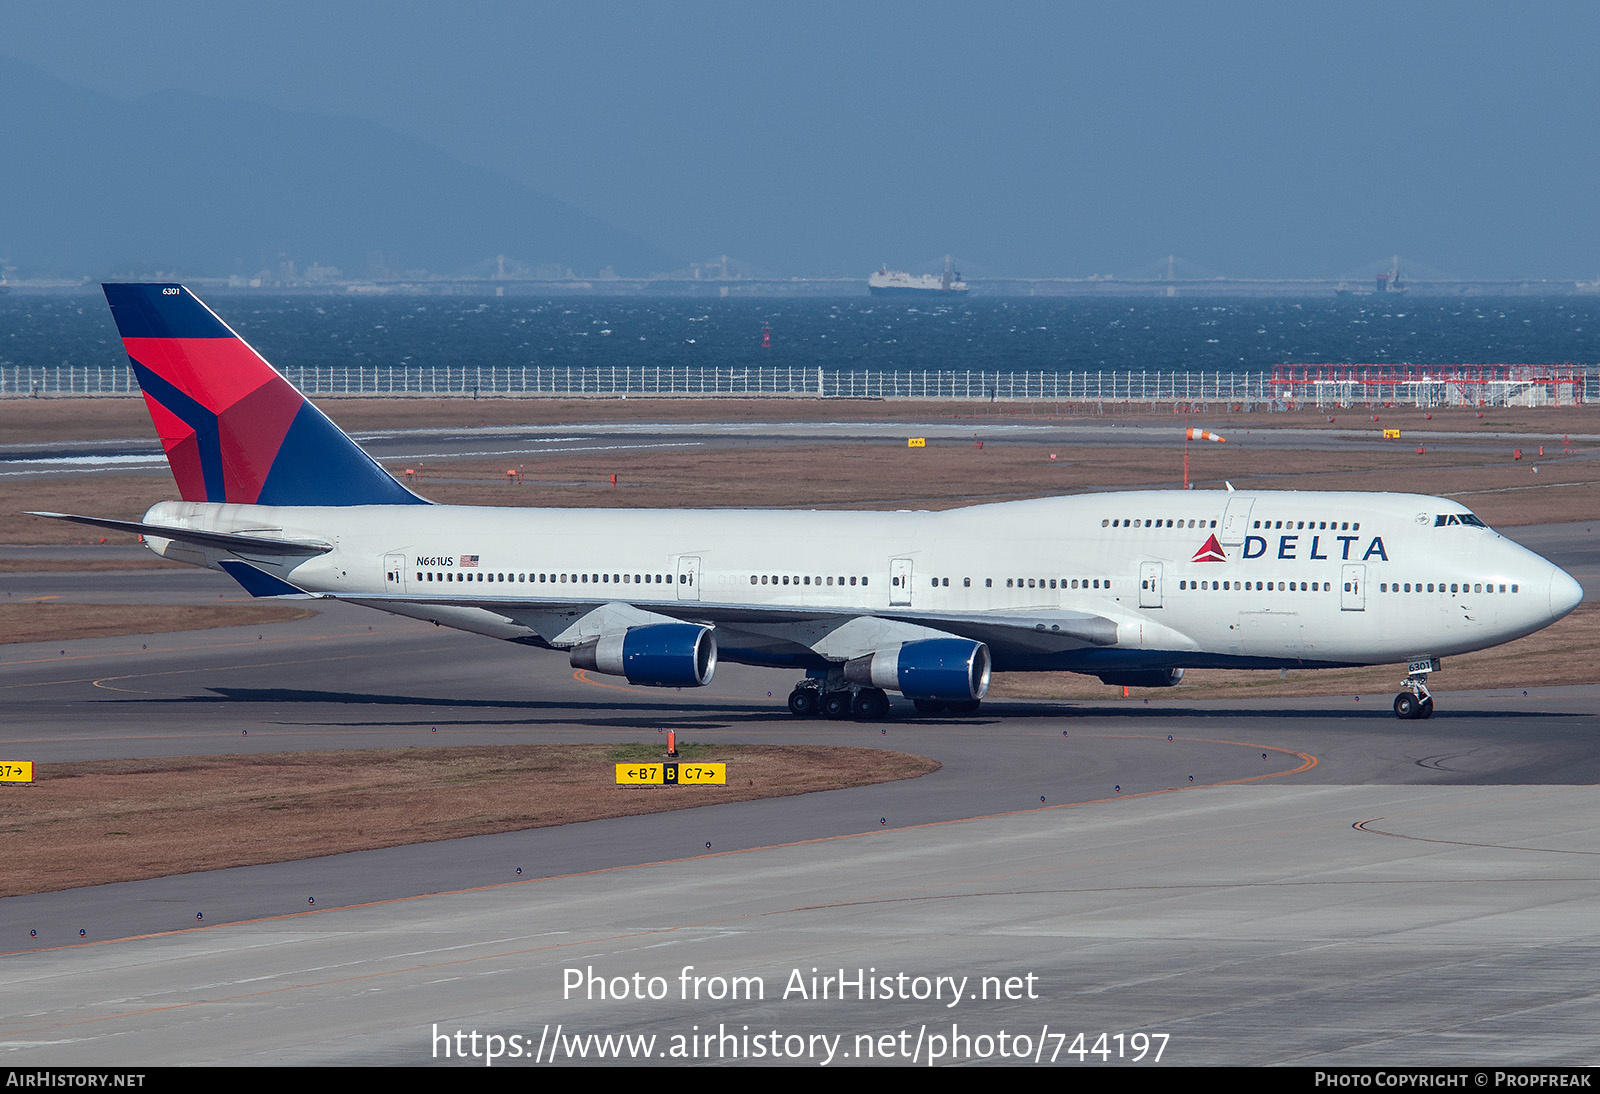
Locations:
{"points": [[1416, 701]]}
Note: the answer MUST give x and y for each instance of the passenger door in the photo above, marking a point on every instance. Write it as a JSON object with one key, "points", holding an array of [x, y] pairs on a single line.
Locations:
{"points": [[394, 567], [1149, 584], [899, 582], [689, 578], [1235, 520], [1353, 594]]}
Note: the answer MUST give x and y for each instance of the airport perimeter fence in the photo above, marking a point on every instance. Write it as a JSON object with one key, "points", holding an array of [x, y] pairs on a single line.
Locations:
{"points": [[1079, 387]]}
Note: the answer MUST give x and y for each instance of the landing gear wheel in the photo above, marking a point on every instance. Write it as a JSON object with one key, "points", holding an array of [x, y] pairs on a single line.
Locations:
{"points": [[869, 705], [928, 706], [804, 702], [966, 706], [836, 705], [1416, 701]]}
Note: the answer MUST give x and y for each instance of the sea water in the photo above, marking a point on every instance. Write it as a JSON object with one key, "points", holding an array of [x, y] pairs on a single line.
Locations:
{"points": [[1006, 334]]}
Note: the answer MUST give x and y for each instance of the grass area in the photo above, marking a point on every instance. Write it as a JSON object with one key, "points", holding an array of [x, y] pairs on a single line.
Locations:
{"points": [[653, 753], [1563, 486], [84, 565], [52, 419], [51, 620], [92, 822], [1473, 462], [946, 474]]}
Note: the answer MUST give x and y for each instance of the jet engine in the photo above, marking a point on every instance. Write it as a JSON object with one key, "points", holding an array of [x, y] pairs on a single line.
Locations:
{"points": [[948, 669], [662, 655], [1142, 678]]}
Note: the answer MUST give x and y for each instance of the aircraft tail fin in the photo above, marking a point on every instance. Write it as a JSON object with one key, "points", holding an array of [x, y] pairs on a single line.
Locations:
{"points": [[233, 428]]}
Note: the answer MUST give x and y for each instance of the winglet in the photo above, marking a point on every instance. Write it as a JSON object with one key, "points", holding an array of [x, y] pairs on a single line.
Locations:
{"points": [[233, 428]]}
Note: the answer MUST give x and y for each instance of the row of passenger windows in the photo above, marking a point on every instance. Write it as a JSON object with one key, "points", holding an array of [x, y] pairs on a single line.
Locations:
{"points": [[424, 576], [966, 582], [1310, 525], [944, 582], [1013, 582], [786, 579], [1077, 583], [1327, 586], [935, 582], [558, 579], [1123, 522], [1267, 586]]}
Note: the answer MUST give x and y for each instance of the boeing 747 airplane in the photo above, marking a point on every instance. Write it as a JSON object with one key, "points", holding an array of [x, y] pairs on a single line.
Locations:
{"points": [[1131, 587]]}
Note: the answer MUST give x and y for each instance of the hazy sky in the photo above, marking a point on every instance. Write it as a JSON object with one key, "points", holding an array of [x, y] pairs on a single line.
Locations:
{"points": [[1266, 139]]}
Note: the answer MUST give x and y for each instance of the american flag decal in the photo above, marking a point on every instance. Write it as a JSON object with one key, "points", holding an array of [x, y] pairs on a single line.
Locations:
{"points": [[469, 560], [1211, 552]]}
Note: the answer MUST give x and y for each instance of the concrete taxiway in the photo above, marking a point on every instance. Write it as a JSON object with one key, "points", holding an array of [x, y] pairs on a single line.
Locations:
{"points": [[1333, 887]]}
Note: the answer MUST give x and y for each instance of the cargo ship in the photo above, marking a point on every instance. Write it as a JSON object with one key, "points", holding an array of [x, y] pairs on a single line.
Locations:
{"points": [[1384, 283], [887, 282]]}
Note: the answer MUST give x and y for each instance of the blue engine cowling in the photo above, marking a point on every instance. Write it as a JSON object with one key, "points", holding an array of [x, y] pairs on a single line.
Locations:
{"points": [[662, 655], [949, 669]]}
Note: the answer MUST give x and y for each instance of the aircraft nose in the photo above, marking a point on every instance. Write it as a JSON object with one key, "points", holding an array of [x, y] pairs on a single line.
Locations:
{"points": [[1565, 593]]}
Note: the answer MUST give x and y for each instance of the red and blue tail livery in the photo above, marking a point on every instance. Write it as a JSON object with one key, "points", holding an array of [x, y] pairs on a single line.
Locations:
{"points": [[233, 428]]}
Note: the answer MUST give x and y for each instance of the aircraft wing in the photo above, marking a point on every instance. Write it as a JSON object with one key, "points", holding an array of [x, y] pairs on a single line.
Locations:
{"points": [[836, 634]]}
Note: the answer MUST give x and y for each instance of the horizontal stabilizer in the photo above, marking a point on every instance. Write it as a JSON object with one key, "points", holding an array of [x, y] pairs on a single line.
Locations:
{"points": [[227, 541], [258, 582]]}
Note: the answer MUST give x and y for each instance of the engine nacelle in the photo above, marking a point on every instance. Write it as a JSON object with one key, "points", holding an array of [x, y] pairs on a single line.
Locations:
{"points": [[662, 655], [951, 669], [1142, 678]]}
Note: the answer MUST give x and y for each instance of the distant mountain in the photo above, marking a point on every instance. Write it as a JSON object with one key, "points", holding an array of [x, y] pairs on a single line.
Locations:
{"points": [[98, 186]]}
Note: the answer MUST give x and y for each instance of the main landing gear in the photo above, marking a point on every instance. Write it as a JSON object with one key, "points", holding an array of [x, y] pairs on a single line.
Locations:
{"points": [[836, 700], [1417, 700]]}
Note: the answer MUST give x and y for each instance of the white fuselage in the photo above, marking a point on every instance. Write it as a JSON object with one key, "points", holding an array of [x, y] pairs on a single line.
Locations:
{"points": [[1092, 582]]}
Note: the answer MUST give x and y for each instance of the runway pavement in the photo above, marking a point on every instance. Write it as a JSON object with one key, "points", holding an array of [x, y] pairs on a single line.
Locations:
{"points": [[1333, 887]]}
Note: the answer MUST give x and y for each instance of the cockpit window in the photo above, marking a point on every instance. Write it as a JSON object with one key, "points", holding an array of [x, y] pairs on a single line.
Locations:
{"points": [[1443, 519]]}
